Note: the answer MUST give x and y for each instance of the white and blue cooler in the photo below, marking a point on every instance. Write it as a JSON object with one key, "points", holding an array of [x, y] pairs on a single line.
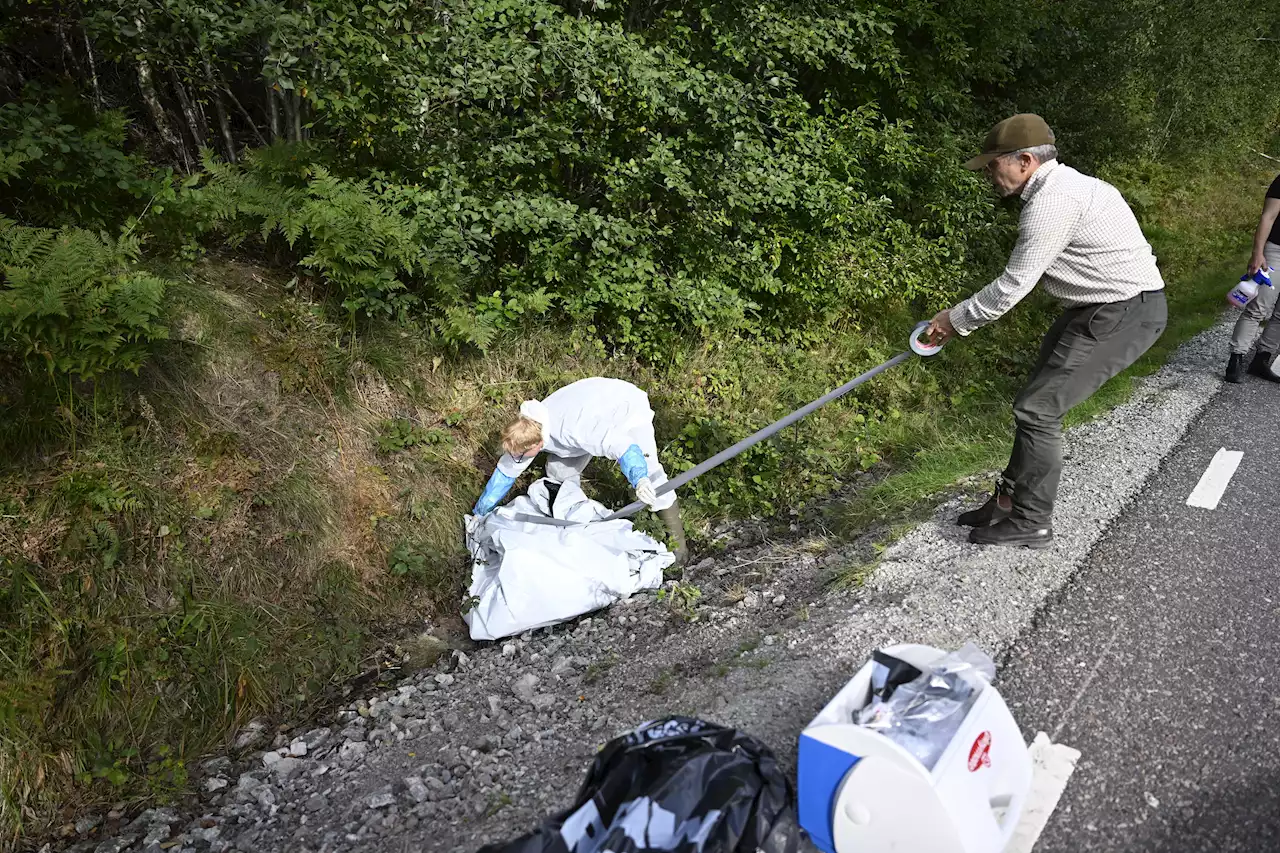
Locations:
{"points": [[859, 792]]}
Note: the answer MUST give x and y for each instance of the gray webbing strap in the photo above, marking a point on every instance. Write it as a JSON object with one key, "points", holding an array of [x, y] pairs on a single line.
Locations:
{"points": [[727, 454]]}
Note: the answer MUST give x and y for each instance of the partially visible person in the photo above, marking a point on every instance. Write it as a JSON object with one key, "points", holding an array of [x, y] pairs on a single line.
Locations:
{"points": [[1076, 234], [588, 418], [1264, 307]]}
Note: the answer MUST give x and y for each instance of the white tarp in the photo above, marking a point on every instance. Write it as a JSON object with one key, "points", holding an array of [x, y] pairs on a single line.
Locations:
{"points": [[525, 575]]}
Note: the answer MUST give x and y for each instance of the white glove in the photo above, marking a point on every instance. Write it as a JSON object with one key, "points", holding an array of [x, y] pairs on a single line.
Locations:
{"points": [[645, 492]]}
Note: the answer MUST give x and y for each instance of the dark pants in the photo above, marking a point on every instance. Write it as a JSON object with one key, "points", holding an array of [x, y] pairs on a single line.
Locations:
{"points": [[1084, 348]]}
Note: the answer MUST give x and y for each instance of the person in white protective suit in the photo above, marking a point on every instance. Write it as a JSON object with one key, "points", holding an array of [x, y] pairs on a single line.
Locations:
{"points": [[590, 417]]}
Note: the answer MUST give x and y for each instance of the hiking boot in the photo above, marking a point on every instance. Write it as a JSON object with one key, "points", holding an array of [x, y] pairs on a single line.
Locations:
{"points": [[1016, 532], [1235, 368], [671, 518], [1261, 367], [997, 508]]}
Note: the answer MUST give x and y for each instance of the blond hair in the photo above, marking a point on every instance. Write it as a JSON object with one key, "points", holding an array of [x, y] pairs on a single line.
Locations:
{"points": [[521, 435]]}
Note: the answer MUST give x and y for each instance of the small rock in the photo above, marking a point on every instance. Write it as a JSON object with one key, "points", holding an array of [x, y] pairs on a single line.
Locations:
{"points": [[315, 803], [115, 845], [248, 782], [316, 738], [216, 766], [251, 734], [298, 748], [270, 758], [286, 768], [87, 824], [769, 640], [215, 783], [524, 687], [417, 789], [444, 679], [380, 800], [355, 734], [562, 664], [780, 599], [460, 658], [495, 705], [353, 751], [543, 702], [157, 833], [508, 650], [516, 734], [265, 797]]}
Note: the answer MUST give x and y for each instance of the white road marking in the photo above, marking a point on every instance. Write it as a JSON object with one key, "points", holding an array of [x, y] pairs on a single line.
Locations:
{"points": [[1052, 765], [1215, 479]]}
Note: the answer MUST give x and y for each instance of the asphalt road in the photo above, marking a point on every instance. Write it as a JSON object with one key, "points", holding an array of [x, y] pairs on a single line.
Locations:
{"points": [[1160, 661]]}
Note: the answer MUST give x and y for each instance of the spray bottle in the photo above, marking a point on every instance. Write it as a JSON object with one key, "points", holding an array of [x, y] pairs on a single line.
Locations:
{"points": [[1244, 292]]}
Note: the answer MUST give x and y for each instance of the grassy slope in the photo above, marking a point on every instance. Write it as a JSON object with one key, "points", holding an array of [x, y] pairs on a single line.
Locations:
{"points": [[234, 531]]}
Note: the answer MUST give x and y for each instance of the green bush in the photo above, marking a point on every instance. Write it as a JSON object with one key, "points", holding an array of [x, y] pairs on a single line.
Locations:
{"points": [[75, 302], [63, 165]]}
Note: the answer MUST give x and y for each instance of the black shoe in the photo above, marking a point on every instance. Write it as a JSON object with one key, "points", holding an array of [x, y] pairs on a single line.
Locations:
{"points": [[1235, 368], [991, 511], [1261, 367], [1013, 531]]}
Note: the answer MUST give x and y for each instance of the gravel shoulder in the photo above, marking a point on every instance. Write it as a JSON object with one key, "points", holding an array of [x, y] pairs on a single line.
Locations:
{"points": [[483, 745]]}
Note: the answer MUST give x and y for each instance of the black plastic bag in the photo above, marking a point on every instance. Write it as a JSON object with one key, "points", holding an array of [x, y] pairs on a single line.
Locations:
{"points": [[675, 784]]}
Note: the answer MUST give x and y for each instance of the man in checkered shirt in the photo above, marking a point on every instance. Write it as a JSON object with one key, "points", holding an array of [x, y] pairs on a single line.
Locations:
{"points": [[1078, 236]]}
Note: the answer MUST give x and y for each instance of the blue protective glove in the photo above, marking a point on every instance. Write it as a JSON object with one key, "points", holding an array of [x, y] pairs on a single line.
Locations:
{"points": [[495, 490], [633, 464]]}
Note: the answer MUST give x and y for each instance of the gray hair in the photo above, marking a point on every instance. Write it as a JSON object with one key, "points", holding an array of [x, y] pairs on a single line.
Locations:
{"points": [[1042, 153]]}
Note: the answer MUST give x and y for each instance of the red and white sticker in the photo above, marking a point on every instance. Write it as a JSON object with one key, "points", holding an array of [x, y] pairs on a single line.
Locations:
{"points": [[980, 752]]}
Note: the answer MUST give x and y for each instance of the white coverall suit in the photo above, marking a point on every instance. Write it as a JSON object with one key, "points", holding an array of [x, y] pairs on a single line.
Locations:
{"points": [[590, 417]]}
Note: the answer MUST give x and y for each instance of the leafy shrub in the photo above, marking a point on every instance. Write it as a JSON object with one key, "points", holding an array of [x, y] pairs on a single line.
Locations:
{"points": [[75, 301], [63, 165], [399, 434]]}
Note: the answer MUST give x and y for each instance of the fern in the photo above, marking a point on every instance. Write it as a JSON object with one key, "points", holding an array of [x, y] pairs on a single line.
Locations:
{"points": [[76, 300]]}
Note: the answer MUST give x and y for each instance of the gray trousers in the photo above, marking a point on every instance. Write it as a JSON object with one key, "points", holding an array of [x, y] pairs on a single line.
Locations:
{"points": [[1081, 351], [1261, 309]]}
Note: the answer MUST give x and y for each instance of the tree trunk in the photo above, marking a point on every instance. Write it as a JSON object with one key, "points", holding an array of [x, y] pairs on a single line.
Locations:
{"points": [[273, 111], [188, 112], [202, 118], [253, 125], [146, 83], [224, 125], [69, 67], [93, 71], [297, 115], [152, 100]]}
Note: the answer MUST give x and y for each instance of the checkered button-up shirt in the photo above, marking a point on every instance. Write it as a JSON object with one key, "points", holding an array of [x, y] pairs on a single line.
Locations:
{"points": [[1079, 235]]}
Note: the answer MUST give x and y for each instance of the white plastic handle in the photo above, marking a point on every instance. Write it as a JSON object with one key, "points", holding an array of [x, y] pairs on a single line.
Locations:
{"points": [[921, 348]]}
